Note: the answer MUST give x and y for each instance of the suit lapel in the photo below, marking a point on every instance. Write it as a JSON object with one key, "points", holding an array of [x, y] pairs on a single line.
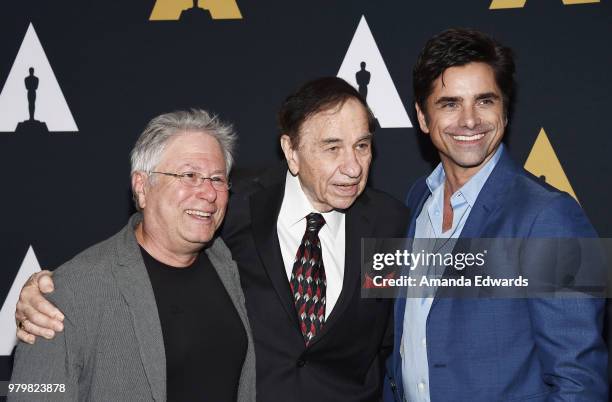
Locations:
{"points": [[133, 281], [265, 206], [357, 226], [419, 207], [400, 303], [221, 259], [490, 197], [488, 201]]}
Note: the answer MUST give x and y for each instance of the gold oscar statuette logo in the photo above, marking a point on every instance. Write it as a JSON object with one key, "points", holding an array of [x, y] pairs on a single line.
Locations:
{"points": [[173, 10], [503, 4], [543, 163]]}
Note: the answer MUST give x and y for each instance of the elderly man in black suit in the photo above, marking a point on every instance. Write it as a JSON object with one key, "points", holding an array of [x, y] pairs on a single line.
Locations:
{"points": [[326, 137]]}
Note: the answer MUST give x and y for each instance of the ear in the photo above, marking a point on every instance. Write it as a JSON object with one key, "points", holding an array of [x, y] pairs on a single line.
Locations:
{"points": [[139, 184], [291, 154], [422, 119]]}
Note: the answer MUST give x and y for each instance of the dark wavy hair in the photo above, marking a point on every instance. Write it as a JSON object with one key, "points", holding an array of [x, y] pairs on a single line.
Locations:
{"points": [[458, 47], [313, 97]]}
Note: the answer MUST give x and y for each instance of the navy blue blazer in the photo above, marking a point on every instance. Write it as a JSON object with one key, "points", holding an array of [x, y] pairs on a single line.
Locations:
{"points": [[510, 349]]}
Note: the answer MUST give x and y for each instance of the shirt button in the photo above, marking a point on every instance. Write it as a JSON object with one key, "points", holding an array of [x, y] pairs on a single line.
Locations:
{"points": [[421, 386], [424, 342]]}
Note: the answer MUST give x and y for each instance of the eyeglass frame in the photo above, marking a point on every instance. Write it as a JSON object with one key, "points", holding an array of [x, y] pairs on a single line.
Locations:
{"points": [[201, 180]]}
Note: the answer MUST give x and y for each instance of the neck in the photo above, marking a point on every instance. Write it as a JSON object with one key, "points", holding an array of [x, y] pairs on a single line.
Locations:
{"points": [[457, 176], [162, 254]]}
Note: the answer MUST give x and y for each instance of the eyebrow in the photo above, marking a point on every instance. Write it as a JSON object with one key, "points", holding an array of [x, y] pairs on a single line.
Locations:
{"points": [[192, 168], [367, 136], [326, 141], [447, 99], [487, 95], [334, 140]]}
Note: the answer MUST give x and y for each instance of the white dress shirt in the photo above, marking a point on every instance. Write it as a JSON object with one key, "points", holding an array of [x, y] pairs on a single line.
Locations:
{"points": [[291, 226]]}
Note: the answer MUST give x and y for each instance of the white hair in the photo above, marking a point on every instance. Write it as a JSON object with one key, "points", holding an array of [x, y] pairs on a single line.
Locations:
{"points": [[150, 145]]}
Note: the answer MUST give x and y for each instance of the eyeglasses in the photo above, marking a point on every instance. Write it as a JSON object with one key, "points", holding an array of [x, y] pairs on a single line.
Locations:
{"points": [[193, 179]]}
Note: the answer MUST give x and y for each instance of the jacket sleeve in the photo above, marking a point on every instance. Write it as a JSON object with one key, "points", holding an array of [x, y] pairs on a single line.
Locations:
{"points": [[568, 331], [51, 366]]}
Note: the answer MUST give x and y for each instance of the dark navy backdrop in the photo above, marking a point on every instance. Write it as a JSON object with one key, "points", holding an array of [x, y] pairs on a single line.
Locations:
{"points": [[64, 191]]}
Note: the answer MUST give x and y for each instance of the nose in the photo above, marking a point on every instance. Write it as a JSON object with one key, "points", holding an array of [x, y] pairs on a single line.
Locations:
{"points": [[206, 191], [469, 118], [350, 165]]}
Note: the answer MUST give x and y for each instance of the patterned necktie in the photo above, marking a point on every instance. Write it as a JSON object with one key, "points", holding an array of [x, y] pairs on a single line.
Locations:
{"points": [[308, 282]]}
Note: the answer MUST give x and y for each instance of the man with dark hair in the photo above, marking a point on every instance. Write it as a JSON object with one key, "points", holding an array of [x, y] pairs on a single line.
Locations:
{"points": [[316, 339], [296, 236], [460, 349]]}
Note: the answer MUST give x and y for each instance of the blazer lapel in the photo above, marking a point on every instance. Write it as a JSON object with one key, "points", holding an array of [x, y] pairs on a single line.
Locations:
{"points": [[400, 302], [357, 226], [489, 200], [419, 207], [221, 259], [490, 197], [133, 281], [265, 207]]}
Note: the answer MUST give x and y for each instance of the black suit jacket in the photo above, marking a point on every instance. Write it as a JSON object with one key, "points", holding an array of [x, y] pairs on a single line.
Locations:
{"points": [[345, 361]]}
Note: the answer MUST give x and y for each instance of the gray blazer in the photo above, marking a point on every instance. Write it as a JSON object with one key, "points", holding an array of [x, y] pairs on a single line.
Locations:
{"points": [[112, 348]]}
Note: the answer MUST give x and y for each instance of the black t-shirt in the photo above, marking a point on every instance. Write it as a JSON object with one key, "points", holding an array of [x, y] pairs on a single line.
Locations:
{"points": [[204, 338]]}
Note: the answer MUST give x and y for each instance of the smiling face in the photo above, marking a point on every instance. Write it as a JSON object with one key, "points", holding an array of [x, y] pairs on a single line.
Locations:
{"points": [[179, 219], [464, 117], [332, 159]]}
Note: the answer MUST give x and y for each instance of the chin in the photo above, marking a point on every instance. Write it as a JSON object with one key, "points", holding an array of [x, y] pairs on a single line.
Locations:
{"points": [[469, 164], [469, 161], [201, 238], [343, 204]]}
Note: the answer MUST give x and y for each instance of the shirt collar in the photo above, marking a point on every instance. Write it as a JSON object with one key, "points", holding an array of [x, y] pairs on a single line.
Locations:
{"points": [[471, 189], [296, 206]]}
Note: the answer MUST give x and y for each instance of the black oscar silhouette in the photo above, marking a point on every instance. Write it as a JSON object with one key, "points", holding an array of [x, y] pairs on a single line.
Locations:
{"points": [[195, 13], [363, 79], [31, 83], [31, 125]]}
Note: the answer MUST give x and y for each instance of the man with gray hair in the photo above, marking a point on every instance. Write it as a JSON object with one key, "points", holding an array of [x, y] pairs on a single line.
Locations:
{"points": [[128, 301]]}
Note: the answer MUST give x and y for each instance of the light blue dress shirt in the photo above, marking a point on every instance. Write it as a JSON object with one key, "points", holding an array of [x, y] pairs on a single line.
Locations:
{"points": [[415, 368]]}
